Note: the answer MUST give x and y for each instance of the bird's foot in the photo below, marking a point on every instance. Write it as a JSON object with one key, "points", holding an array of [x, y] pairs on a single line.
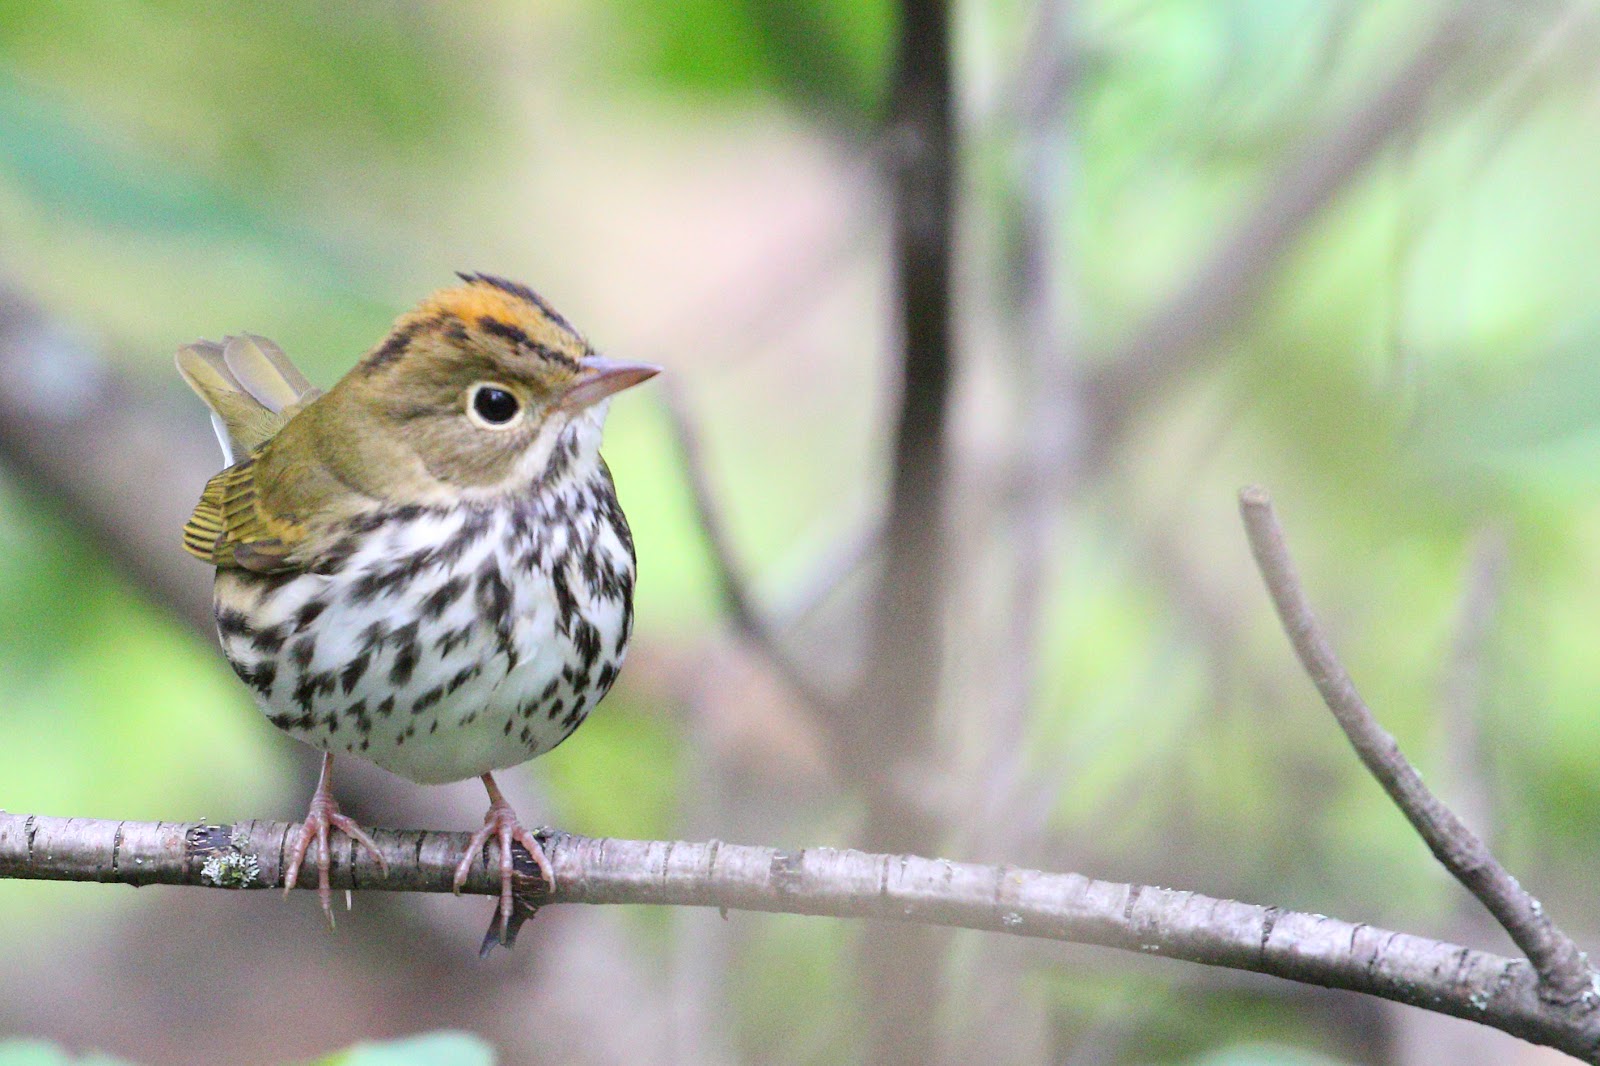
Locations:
{"points": [[501, 823], [323, 817]]}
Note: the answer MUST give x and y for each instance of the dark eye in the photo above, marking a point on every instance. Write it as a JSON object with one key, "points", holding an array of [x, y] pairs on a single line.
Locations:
{"points": [[494, 405]]}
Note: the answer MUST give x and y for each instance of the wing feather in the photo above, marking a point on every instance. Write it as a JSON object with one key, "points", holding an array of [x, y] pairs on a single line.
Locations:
{"points": [[253, 391], [230, 528]]}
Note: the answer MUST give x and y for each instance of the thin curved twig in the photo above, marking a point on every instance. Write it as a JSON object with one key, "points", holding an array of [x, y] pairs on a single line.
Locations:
{"points": [[1565, 976], [747, 617]]}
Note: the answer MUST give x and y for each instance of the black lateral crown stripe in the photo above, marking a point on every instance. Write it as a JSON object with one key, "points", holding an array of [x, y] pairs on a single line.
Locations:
{"points": [[512, 333], [391, 349], [521, 292]]}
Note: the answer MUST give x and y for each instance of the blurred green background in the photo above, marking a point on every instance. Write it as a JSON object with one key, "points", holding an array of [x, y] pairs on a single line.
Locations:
{"points": [[1414, 371]]}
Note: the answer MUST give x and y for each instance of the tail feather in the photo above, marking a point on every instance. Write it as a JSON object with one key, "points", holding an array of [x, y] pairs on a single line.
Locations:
{"points": [[250, 386], [263, 371]]}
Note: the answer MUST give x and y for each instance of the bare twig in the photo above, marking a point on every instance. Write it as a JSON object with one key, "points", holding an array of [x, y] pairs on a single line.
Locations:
{"points": [[746, 616], [1051, 416], [1479, 986], [826, 571], [1564, 974]]}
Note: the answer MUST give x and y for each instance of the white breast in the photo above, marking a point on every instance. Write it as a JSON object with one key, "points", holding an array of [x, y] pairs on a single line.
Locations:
{"points": [[451, 642]]}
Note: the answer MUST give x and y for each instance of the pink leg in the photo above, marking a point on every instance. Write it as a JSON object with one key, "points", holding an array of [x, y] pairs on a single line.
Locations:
{"points": [[323, 816], [501, 823]]}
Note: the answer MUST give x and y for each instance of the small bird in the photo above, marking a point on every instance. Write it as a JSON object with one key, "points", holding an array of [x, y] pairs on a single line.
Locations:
{"points": [[427, 565]]}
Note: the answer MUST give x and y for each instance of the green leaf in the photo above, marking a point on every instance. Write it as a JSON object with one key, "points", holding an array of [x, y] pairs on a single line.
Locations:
{"points": [[44, 1053], [429, 1049], [1264, 1055]]}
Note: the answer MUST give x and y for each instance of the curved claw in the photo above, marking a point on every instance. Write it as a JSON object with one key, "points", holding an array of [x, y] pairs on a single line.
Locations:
{"points": [[501, 822], [324, 816]]}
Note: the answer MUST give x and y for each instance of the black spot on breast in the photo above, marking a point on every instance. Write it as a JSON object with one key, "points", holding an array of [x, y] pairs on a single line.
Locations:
{"points": [[472, 528], [555, 710], [627, 622], [366, 588], [309, 613], [373, 637], [589, 565], [305, 690], [521, 522], [386, 708], [260, 678], [270, 641], [428, 699], [405, 658], [310, 686], [263, 676], [303, 650], [353, 671], [604, 491], [493, 599], [439, 600], [462, 676], [566, 605], [451, 639], [586, 642]]}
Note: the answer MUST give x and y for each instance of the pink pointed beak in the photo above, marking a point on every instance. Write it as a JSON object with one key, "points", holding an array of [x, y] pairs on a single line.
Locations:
{"points": [[602, 377]]}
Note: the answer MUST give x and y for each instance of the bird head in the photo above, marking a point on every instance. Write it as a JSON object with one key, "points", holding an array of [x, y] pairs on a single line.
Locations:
{"points": [[482, 389]]}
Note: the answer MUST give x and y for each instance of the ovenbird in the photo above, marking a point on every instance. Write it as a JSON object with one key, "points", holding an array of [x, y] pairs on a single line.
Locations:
{"points": [[427, 565]]}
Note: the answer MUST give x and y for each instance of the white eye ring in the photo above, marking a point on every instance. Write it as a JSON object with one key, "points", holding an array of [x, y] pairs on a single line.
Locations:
{"points": [[494, 406]]}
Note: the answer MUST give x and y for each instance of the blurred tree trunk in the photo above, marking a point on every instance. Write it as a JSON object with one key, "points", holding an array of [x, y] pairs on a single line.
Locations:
{"points": [[895, 701]]}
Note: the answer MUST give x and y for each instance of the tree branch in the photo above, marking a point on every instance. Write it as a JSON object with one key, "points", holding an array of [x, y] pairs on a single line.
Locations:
{"points": [[1225, 287], [1565, 977], [88, 440], [1482, 987]]}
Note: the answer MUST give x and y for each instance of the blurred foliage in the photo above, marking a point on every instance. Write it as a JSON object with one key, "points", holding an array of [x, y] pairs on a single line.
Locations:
{"points": [[828, 57], [1420, 374], [434, 1049]]}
